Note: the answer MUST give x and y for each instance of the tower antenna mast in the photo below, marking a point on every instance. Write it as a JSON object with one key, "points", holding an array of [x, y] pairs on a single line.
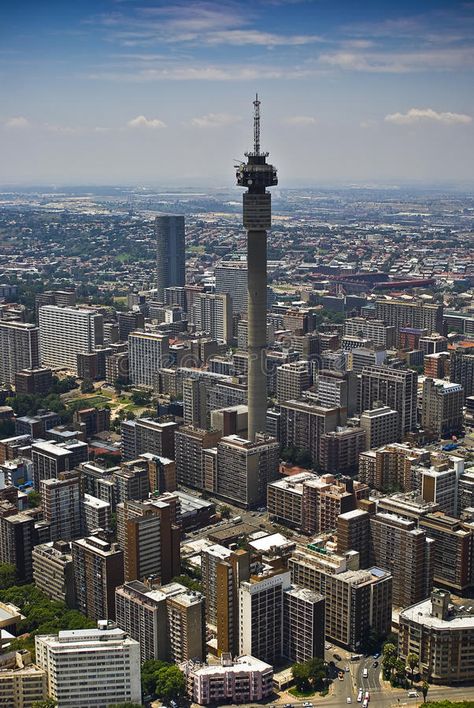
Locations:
{"points": [[256, 125]]}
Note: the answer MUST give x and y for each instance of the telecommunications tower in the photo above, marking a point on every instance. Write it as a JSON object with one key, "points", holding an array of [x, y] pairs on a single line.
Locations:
{"points": [[257, 175]]}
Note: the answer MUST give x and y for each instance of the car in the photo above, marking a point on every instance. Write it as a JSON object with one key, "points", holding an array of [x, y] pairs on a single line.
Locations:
{"points": [[337, 657], [376, 656], [360, 696], [365, 704], [412, 694], [346, 669], [367, 696], [328, 646], [307, 704], [288, 705], [365, 673], [375, 664], [348, 699], [340, 676]]}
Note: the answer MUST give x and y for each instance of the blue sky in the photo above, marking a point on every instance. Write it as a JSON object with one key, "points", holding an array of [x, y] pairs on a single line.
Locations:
{"points": [[126, 91]]}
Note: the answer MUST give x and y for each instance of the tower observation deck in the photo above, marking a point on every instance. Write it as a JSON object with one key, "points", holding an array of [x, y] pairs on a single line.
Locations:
{"points": [[256, 175]]}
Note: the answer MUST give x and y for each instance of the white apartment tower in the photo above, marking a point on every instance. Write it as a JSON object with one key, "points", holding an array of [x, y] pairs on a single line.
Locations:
{"points": [[67, 331], [91, 668], [18, 349], [148, 352]]}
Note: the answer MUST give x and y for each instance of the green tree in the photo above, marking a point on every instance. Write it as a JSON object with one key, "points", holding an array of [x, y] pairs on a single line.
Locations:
{"points": [[48, 703], [170, 683], [7, 575], [412, 661], [225, 511], [301, 676], [317, 672], [150, 670], [141, 398], [34, 499], [389, 657], [425, 687], [87, 386]]}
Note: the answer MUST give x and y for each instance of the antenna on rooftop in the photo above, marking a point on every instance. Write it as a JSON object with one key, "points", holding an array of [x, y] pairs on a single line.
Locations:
{"points": [[256, 125]]}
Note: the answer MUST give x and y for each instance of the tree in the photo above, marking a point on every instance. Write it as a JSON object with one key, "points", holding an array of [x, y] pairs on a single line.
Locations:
{"points": [[141, 398], [225, 511], [34, 499], [425, 687], [7, 575], [170, 682], [301, 676], [87, 386], [389, 657], [48, 703], [150, 670], [412, 661], [317, 671]]}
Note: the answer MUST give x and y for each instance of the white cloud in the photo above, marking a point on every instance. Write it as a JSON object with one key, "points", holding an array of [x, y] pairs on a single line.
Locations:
{"points": [[300, 120], [17, 122], [143, 122], [415, 115], [257, 38], [215, 120]]}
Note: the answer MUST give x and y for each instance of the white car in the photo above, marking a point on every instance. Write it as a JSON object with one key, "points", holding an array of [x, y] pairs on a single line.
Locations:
{"points": [[360, 695], [348, 699]]}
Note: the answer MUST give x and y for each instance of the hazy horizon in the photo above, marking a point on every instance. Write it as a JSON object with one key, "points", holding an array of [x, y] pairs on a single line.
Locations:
{"points": [[120, 92]]}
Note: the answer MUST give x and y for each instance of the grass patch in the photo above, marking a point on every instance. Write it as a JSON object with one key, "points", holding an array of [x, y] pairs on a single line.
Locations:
{"points": [[89, 401], [301, 694]]}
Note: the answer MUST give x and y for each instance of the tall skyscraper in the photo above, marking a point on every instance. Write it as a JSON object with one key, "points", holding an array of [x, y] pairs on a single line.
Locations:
{"points": [[170, 258], [18, 349], [257, 175], [396, 388]]}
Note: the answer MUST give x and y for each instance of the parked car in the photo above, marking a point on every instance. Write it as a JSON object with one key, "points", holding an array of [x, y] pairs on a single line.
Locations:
{"points": [[337, 657]]}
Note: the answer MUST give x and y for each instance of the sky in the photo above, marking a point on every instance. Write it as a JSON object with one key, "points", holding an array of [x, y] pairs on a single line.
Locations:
{"points": [[160, 93]]}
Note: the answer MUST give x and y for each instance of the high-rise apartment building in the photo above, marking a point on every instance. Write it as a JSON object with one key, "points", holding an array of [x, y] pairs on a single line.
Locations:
{"points": [[291, 380], [91, 667], [145, 435], [53, 571], [19, 349], [212, 314], [190, 442], [245, 468], [303, 624], [67, 331], [16, 542], [150, 540], [168, 621], [439, 484], [51, 459], [195, 397], [98, 570], [61, 502], [397, 545], [303, 423], [170, 253], [353, 534], [357, 602], [433, 344], [147, 353], [128, 322], [394, 388], [381, 425], [34, 381], [415, 313], [339, 449], [131, 481], [453, 548], [261, 615], [377, 331], [231, 278], [442, 407], [392, 466], [462, 370]]}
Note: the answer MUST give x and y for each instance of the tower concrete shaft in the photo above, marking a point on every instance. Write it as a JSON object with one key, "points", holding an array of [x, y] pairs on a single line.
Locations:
{"points": [[256, 175]]}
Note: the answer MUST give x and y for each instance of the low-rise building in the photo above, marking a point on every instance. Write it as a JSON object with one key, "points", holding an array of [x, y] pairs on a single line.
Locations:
{"points": [[245, 680], [21, 682]]}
